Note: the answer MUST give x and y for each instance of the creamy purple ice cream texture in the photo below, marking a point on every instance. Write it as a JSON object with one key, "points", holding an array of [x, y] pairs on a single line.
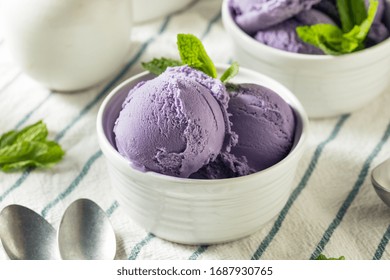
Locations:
{"points": [[180, 124], [265, 125], [274, 22], [255, 15], [175, 123], [283, 36]]}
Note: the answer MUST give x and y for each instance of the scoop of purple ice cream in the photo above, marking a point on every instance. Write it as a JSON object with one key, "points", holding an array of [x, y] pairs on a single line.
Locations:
{"points": [[254, 15], [218, 91], [284, 36], [265, 125], [173, 124]]}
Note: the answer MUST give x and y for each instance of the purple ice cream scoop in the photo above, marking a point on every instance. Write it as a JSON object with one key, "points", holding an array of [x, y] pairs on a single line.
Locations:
{"points": [[173, 124], [284, 36], [255, 15], [265, 125]]}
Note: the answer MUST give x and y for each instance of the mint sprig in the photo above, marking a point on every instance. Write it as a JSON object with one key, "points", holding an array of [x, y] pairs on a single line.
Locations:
{"points": [[159, 65], [350, 38], [352, 13], [28, 148], [193, 54], [230, 72], [322, 257]]}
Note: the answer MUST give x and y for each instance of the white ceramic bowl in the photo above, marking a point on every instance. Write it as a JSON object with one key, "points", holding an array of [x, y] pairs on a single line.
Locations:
{"points": [[145, 10], [193, 211], [67, 45], [326, 85]]}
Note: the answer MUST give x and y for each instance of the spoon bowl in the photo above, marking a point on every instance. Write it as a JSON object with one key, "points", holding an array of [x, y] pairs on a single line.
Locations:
{"points": [[26, 235], [380, 178], [85, 233]]}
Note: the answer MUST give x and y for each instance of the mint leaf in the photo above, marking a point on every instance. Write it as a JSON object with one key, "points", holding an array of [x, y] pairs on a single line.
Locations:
{"points": [[43, 155], [28, 148], [327, 37], [230, 72], [8, 138], [159, 65], [365, 26], [323, 257], [53, 155], [194, 55], [34, 132], [332, 40], [352, 13], [21, 151]]}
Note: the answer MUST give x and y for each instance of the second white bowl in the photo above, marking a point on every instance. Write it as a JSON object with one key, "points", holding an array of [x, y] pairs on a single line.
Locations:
{"points": [[326, 85]]}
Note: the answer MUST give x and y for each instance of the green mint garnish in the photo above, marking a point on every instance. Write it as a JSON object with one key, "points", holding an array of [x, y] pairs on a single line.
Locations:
{"points": [[322, 257], [230, 72], [159, 65], [194, 55], [352, 13], [28, 148], [355, 26]]}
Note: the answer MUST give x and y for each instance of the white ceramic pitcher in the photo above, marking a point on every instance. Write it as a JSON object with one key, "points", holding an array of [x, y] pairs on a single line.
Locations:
{"points": [[67, 45]]}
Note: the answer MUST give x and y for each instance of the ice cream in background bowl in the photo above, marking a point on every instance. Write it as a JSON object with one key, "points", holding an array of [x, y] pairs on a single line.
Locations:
{"points": [[326, 85], [159, 196]]}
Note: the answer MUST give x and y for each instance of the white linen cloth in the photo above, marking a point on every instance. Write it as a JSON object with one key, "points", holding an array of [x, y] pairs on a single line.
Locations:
{"points": [[333, 208]]}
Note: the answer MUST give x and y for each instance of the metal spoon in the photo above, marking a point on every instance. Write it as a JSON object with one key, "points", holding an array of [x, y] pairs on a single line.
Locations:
{"points": [[26, 235], [85, 233], [380, 178]]}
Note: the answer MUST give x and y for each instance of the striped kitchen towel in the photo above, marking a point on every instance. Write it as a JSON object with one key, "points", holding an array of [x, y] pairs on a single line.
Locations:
{"points": [[332, 209]]}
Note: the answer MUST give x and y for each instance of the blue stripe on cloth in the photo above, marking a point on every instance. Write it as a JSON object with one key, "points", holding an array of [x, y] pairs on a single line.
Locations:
{"points": [[112, 208], [74, 184], [382, 245], [214, 20], [302, 184], [18, 182], [198, 252], [137, 248], [28, 115], [62, 133], [351, 196]]}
